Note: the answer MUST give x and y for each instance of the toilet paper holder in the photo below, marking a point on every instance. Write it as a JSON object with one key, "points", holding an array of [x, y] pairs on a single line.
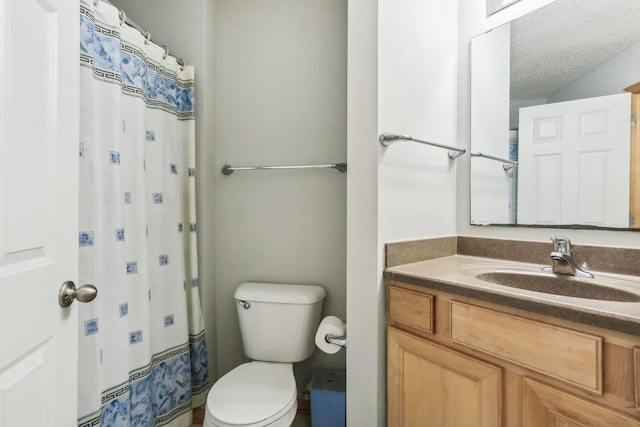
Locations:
{"points": [[337, 340]]}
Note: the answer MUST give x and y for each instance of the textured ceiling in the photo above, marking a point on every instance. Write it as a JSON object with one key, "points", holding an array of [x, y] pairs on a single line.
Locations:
{"points": [[564, 40]]}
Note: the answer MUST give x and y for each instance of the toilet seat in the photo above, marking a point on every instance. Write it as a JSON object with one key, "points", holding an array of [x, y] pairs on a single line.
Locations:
{"points": [[254, 394]]}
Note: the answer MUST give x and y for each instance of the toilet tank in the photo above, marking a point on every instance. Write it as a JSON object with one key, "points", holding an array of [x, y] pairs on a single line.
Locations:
{"points": [[278, 322]]}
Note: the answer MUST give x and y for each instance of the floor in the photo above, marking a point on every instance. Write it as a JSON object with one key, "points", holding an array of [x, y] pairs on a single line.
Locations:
{"points": [[301, 420]]}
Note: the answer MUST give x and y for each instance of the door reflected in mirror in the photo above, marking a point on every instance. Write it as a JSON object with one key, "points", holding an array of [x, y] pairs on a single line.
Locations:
{"points": [[552, 97]]}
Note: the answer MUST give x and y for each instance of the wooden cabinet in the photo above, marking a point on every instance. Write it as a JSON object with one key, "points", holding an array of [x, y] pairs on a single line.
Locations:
{"points": [[431, 385], [545, 406], [562, 353], [456, 361], [413, 309]]}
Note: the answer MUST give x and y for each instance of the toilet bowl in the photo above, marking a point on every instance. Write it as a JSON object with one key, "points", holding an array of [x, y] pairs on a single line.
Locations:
{"points": [[254, 394], [277, 325]]}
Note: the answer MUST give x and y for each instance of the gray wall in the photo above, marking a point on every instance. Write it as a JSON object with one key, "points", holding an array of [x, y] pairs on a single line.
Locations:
{"points": [[280, 100]]}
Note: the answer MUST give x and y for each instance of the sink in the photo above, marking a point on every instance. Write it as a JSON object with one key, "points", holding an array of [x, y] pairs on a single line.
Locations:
{"points": [[559, 285]]}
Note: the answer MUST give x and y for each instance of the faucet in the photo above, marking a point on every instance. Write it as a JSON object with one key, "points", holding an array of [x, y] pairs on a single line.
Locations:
{"points": [[562, 261]]}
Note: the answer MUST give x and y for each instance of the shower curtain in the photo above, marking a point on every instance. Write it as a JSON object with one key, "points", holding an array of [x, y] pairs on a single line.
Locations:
{"points": [[142, 352]]}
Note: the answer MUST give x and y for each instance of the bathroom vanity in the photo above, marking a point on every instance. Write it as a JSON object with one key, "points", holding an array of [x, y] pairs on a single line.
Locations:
{"points": [[465, 351]]}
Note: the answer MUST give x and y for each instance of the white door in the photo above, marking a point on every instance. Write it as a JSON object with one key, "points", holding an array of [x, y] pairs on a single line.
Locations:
{"points": [[38, 211], [574, 162]]}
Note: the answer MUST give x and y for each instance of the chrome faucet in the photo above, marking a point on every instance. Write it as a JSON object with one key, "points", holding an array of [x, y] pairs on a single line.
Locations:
{"points": [[562, 261]]}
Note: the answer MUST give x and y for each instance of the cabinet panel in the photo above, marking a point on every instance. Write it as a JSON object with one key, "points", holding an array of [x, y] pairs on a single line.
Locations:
{"points": [[636, 376], [428, 384], [544, 406], [411, 308], [565, 354]]}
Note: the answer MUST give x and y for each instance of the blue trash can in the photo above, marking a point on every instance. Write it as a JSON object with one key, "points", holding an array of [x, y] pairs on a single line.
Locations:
{"points": [[328, 398]]}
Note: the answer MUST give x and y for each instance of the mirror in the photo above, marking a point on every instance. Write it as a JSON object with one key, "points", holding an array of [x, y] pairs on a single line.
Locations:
{"points": [[552, 94]]}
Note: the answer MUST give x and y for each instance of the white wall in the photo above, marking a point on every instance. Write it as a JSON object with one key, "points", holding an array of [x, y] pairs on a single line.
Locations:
{"points": [[365, 296], [402, 78], [280, 68], [473, 21], [417, 96]]}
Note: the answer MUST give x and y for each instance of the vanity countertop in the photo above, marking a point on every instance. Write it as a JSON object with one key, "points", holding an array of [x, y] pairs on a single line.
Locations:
{"points": [[456, 274]]}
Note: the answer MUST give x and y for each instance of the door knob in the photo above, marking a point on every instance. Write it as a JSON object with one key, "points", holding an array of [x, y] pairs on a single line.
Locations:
{"points": [[69, 292]]}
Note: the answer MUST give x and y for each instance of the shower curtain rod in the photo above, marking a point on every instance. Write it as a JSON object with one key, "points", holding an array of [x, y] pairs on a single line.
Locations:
{"points": [[125, 19]]}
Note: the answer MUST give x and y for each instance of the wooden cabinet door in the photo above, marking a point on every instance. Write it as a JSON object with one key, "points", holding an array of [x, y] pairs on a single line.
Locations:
{"points": [[545, 406], [430, 385]]}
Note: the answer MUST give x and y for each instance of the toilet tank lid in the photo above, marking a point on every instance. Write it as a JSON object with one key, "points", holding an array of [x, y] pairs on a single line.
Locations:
{"points": [[279, 293]]}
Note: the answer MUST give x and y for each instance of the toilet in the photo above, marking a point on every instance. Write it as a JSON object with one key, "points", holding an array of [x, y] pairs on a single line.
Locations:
{"points": [[277, 324]]}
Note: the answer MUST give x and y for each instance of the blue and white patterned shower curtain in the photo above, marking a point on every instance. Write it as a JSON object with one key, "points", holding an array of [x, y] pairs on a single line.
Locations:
{"points": [[143, 358]]}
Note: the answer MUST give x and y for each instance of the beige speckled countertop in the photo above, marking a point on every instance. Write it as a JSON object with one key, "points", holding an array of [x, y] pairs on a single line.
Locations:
{"points": [[456, 274]]}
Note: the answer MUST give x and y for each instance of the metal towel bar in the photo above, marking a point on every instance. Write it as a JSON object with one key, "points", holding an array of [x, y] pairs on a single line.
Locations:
{"points": [[387, 139], [506, 164], [228, 170]]}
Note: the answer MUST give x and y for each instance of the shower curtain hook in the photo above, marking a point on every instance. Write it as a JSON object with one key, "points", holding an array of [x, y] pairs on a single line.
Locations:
{"points": [[181, 63], [166, 52], [122, 16], [147, 38]]}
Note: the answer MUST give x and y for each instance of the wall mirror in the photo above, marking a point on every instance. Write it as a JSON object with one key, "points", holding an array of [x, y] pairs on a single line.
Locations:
{"points": [[553, 95]]}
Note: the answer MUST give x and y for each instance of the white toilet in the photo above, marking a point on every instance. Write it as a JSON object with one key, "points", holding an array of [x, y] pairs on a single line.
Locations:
{"points": [[278, 325]]}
